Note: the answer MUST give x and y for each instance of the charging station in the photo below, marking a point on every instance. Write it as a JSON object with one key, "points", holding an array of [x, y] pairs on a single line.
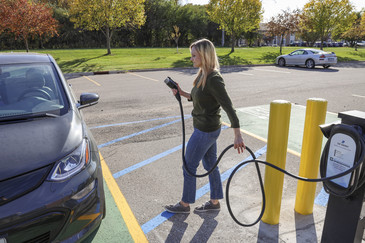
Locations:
{"points": [[345, 216]]}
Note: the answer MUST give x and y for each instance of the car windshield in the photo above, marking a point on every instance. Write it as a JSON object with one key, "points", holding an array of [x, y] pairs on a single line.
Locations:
{"points": [[30, 89]]}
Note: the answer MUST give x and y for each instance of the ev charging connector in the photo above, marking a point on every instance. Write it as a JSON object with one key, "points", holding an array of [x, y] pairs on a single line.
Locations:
{"points": [[345, 219], [173, 85]]}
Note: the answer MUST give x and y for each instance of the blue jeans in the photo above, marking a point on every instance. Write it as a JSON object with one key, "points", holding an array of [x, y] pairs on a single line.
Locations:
{"points": [[202, 146]]}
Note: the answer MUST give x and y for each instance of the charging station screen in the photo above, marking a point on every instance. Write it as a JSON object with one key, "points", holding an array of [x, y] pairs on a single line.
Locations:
{"points": [[341, 157]]}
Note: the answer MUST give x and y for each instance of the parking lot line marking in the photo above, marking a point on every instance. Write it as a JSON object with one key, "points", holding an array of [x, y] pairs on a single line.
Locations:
{"points": [[93, 81], [143, 77], [135, 122], [244, 73], [162, 217], [146, 162], [322, 198], [269, 70], [137, 133], [360, 96], [150, 160], [130, 220]]}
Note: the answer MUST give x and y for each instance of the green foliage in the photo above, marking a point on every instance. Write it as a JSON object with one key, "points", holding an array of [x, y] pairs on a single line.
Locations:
{"points": [[236, 16], [160, 17], [107, 15], [327, 17], [357, 30], [193, 22]]}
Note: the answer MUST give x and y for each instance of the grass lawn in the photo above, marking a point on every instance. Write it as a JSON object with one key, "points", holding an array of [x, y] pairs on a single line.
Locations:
{"points": [[124, 59]]}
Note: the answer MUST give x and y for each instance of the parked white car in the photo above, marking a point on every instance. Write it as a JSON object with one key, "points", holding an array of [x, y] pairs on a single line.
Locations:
{"points": [[308, 57]]}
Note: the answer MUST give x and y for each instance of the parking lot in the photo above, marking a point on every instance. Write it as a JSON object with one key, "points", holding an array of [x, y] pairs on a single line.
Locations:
{"points": [[138, 129]]}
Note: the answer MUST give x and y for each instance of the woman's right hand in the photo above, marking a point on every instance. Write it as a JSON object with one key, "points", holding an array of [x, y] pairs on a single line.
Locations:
{"points": [[182, 92], [174, 91]]}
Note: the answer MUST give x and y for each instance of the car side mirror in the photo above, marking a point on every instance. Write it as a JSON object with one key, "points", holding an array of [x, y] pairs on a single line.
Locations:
{"points": [[88, 99]]}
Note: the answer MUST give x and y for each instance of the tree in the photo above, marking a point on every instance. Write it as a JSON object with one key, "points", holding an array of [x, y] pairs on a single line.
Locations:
{"points": [[27, 19], [107, 15], [310, 37], [175, 36], [327, 17], [236, 16], [282, 24], [357, 30], [194, 23], [160, 16]]}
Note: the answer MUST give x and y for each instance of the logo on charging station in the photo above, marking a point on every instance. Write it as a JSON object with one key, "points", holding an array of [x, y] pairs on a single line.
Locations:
{"points": [[341, 157]]}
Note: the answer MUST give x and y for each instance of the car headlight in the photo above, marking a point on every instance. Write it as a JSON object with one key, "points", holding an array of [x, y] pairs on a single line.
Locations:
{"points": [[72, 163]]}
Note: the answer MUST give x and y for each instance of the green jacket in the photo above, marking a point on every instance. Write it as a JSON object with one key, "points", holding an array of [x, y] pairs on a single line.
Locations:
{"points": [[207, 103]]}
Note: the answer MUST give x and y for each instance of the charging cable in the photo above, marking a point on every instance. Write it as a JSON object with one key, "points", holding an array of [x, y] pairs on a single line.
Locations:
{"points": [[357, 178]]}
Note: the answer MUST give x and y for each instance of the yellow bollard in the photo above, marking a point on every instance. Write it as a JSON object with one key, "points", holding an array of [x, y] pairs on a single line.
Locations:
{"points": [[310, 156], [277, 144]]}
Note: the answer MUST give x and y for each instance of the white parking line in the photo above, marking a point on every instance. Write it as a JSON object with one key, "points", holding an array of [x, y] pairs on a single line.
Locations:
{"points": [[360, 96], [270, 70], [142, 76], [244, 73]]}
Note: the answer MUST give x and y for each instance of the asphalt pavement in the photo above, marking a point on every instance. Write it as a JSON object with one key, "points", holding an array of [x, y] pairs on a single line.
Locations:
{"points": [[138, 128]]}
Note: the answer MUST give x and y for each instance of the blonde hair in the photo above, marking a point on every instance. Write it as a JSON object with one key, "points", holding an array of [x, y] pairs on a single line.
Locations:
{"points": [[206, 50]]}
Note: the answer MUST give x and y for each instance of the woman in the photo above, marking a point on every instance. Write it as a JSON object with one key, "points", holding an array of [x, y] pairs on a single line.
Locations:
{"points": [[208, 95]]}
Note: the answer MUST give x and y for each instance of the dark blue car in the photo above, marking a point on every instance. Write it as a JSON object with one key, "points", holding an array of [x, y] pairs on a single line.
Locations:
{"points": [[51, 184]]}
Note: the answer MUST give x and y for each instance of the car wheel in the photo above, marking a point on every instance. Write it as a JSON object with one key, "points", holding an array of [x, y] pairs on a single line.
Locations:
{"points": [[281, 62], [309, 63]]}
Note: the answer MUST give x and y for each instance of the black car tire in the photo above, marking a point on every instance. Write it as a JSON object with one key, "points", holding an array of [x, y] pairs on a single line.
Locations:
{"points": [[281, 62], [310, 63]]}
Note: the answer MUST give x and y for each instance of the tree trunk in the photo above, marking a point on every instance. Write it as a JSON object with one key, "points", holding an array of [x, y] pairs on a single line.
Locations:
{"points": [[108, 39], [26, 44], [233, 43], [281, 44]]}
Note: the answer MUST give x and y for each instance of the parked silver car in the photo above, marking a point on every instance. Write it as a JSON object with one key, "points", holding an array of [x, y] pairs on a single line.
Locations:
{"points": [[308, 57]]}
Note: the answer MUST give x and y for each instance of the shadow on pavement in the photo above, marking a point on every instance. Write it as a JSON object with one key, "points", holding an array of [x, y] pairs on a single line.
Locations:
{"points": [[268, 233], [207, 228], [305, 223], [178, 228]]}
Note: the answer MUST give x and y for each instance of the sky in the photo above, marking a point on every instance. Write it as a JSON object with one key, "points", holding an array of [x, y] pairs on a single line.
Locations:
{"points": [[274, 7]]}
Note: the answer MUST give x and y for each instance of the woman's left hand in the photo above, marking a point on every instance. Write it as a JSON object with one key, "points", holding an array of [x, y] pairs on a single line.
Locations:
{"points": [[238, 141]]}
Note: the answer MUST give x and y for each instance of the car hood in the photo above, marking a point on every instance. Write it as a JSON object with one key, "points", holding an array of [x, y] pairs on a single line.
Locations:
{"points": [[29, 145]]}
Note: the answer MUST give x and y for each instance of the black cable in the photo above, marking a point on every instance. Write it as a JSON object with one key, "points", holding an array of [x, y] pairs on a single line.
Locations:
{"points": [[183, 149], [216, 164], [358, 182], [358, 177]]}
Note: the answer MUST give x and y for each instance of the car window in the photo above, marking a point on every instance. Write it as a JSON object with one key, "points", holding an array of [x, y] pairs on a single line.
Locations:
{"points": [[30, 88], [298, 52]]}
